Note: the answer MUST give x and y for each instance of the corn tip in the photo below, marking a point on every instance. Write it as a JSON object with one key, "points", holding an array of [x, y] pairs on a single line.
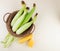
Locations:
{"points": [[22, 2], [34, 5], [27, 8], [36, 14]]}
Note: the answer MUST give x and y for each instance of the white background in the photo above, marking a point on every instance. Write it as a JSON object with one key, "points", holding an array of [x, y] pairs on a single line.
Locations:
{"points": [[47, 32]]}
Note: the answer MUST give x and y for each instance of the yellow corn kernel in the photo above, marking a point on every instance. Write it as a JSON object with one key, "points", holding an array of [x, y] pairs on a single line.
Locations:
{"points": [[24, 39], [30, 43]]}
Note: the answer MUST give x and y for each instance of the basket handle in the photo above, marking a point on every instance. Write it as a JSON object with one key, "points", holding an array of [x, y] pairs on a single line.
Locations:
{"points": [[33, 29], [5, 17]]}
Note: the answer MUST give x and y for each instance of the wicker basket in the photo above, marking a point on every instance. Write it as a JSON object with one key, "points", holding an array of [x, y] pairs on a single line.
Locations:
{"points": [[9, 28]]}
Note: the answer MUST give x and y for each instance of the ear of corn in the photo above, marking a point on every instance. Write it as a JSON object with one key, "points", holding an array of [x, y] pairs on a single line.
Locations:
{"points": [[30, 43], [8, 40], [24, 39], [29, 15], [19, 13], [19, 21], [25, 26]]}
